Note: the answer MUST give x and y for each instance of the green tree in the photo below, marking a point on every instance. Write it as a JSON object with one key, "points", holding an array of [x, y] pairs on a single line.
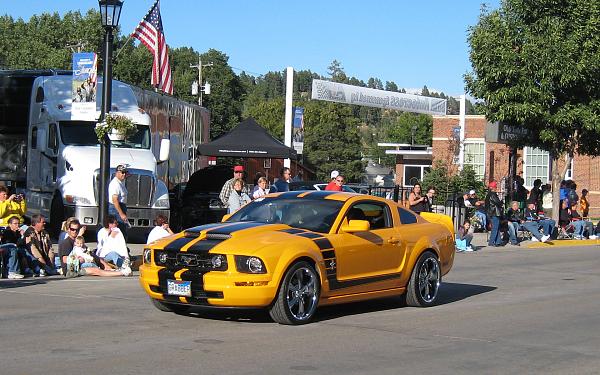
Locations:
{"points": [[270, 114], [332, 140], [536, 65]]}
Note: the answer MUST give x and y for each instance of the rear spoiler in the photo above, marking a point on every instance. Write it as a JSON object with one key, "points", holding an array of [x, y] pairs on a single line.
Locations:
{"points": [[442, 219]]}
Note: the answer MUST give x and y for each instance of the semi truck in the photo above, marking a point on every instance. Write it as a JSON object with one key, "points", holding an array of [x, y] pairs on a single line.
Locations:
{"points": [[55, 161]]}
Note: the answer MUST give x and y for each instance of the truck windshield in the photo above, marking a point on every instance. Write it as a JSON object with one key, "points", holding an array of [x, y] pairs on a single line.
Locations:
{"points": [[81, 133]]}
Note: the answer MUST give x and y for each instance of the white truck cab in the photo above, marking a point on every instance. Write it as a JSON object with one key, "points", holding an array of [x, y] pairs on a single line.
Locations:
{"points": [[63, 157]]}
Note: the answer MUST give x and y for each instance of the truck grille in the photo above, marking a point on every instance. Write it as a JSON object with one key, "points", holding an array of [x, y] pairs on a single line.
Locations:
{"points": [[139, 190]]}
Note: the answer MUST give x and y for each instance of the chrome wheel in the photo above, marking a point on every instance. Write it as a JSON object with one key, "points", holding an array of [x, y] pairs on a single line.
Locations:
{"points": [[298, 295], [429, 279], [302, 293], [425, 280]]}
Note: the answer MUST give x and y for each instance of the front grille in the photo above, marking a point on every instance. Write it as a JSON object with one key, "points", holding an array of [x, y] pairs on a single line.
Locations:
{"points": [[176, 260], [140, 188]]}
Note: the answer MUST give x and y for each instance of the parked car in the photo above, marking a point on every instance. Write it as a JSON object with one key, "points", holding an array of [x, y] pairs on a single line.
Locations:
{"points": [[292, 252]]}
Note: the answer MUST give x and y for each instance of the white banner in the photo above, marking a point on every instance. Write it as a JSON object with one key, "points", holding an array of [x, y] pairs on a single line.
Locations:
{"points": [[85, 66], [348, 94]]}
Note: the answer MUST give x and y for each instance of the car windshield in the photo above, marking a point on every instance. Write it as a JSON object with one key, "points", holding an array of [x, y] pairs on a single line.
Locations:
{"points": [[81, 133], [312, 214]]}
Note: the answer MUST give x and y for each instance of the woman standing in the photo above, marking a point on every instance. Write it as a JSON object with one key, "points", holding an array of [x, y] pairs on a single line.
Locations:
{"points": [[416, 202], [237, 198]]}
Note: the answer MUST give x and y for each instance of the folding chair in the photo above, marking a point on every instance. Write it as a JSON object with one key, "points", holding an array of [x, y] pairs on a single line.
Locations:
{"points": [[566, 232]]}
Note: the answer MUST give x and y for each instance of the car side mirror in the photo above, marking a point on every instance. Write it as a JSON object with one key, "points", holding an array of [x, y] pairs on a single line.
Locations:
{"points": [[356, 226], [225, 217]]}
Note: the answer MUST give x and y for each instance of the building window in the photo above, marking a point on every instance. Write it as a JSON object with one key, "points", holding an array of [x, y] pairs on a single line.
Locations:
{"points": [[475, 157], [537, 165], [414, 173]]}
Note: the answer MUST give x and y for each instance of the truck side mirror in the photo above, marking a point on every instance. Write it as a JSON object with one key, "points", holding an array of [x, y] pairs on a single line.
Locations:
{"points": [[165, 148]]}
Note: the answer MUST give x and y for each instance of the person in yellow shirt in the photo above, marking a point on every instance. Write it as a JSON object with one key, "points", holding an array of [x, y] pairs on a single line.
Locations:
{"points": [[583, 203], [11, 206]]}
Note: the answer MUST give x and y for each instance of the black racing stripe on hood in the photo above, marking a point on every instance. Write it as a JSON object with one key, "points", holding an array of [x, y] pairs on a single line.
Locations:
{"points": [[310, 235], [178, 243], [323, 243], [320, 194], [289, 194], [200, 228], [236, 227], [293, 230], [203, 246]]}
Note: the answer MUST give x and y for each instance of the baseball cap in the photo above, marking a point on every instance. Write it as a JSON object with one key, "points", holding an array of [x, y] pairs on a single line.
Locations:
{"points": [[334, 174], [238, 168], [471, 192], [122, 168], [493, 184]]}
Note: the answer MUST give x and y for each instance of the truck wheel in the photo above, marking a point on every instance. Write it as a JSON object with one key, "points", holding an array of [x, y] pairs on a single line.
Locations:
{"points": [[57, 215]]}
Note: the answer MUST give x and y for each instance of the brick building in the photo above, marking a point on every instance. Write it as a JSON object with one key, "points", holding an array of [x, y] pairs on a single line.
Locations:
{"points": [[491, 160]]}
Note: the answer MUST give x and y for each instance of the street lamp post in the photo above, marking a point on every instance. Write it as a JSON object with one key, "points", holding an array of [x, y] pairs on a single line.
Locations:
{"points": [[110, 12]]}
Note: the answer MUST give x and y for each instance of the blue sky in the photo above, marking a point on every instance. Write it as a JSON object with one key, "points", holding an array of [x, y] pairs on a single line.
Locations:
{"points": [[412, 43]]}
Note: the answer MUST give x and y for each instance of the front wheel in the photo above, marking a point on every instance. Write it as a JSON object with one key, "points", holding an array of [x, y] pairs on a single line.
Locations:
{"points": [[424, 282], [298, 295], [169, 307]]}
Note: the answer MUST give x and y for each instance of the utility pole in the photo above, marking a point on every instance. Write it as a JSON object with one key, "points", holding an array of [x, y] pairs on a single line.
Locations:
{"points": [[206, 86]]}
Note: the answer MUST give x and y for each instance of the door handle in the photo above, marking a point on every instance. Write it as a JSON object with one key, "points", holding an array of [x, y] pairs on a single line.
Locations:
{"points": [[393, 240]]}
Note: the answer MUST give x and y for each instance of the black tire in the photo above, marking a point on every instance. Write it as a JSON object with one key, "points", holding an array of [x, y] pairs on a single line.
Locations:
{"points": [[298, 295], [169, 307], [425, 281], [57, 215]]}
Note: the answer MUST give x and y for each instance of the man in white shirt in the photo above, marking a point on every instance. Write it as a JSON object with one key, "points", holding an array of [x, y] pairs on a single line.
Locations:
{"points": [[117, 198]]}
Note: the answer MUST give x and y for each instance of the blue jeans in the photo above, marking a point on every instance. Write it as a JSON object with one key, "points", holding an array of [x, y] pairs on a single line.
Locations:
{"points": [[548, 226], [579, 227], [114, 258], [513, 227], [483, 218], [533, 228], [10, 257], [495, 238]]}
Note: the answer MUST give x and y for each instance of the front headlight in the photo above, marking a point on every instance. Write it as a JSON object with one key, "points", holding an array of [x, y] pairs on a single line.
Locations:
{"points": [[147, 256], [162, 202], [218, 262], [77, 200], [249, 264]]}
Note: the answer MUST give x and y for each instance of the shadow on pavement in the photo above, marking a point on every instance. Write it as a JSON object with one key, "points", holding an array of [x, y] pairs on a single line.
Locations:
{"points": [[449, 293], [12, 284]]}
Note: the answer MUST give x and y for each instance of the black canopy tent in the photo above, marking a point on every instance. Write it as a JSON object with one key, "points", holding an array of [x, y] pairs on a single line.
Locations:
{"points": [[247, 140]]}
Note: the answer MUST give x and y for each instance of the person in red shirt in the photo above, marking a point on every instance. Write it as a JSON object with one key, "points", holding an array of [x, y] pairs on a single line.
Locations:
{"points": [[338, 182], [331, 185]]}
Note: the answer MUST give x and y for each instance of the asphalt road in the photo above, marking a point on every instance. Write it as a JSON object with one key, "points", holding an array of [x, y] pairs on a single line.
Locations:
{"points": [[502, 311]]}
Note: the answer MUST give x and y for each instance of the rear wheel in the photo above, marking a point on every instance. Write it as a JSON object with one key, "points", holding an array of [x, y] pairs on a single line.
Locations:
{"points": [[298, 295], [169, 307], [424, 282]]}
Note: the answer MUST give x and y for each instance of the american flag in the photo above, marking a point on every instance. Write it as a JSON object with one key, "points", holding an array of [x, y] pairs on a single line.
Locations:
{"points": [[150, 33]]}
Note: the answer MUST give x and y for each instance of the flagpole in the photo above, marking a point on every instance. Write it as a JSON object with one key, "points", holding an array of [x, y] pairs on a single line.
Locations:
{"points": [[124, 44]]}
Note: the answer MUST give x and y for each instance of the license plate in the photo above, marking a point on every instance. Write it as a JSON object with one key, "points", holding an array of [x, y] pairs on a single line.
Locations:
{"points": [[179, 288]]}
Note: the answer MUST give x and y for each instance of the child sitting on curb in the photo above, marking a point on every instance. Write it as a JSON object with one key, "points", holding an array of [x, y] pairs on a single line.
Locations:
{"points": [[464, 238]]}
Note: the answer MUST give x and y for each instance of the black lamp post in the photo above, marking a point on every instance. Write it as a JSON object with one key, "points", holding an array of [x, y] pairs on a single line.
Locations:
{"points": [[110, 11]]}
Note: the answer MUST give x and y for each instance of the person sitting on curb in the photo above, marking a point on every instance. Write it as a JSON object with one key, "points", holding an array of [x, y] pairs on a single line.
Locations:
{"points": [[532, 224], [11, 253], [112, 247], [581, 225], [160, 230], [464, 238], [38, 243], [515, 221]]}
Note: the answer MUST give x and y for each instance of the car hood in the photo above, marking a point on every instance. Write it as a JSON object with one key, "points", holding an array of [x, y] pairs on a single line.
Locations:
{"points": [[243, 238]]}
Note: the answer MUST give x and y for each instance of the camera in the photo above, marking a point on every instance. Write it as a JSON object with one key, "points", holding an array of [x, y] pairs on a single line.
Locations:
{"points": [[18, 197]]}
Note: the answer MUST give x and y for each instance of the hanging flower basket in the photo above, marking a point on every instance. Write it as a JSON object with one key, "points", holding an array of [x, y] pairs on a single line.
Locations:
{"points": [[116, 127]]}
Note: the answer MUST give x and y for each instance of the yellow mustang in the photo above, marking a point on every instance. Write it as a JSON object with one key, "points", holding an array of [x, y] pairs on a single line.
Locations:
{"points": [[291, 252]]}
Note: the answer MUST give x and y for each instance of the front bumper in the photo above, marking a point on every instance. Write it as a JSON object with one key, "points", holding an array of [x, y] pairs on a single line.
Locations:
{"points": [[214, 288], [137, 217]]}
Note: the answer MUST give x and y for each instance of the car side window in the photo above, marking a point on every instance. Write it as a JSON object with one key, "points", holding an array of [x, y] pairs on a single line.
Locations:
{"points": [[406, 217], [376, 213]]}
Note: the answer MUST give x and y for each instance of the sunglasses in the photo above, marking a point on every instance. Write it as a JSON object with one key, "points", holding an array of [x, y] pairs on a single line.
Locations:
{"points": [[73, 229], [238, 172]]}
